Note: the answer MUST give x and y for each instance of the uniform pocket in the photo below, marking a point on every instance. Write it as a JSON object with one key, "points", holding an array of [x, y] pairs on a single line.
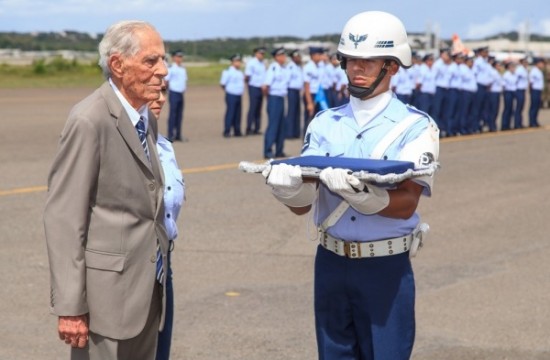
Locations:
{"points": [[104, 260], [333, 150]]}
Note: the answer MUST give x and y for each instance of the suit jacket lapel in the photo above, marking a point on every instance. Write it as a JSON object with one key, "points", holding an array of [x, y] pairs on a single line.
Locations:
{"points": [[124, 126]]}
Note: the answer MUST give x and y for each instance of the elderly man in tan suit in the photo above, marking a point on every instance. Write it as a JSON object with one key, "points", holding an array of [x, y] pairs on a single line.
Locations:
{"points": [[104, 213]]}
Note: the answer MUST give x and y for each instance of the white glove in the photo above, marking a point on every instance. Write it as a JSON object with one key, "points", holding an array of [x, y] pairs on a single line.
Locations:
{"points": [[287, 185], [365, 198]]}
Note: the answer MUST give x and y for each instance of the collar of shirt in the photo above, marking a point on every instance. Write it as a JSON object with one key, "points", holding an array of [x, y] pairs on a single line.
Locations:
{"points": [[366, 110], [133, 114]]}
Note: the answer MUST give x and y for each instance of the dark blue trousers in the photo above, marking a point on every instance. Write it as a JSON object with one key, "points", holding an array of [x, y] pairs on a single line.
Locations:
{"points": [[364, 308], [534, 107], [438, 109], [275, 133], [424, 102], [165, 336], [176, 101], [480, 104], [451, 111], [508, 110], [466, 117], [293, 117], [232, 115], [520, 104], [494, 104], [253, 119]]}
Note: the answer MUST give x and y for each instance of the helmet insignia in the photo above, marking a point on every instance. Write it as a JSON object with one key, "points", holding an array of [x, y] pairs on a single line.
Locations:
{"points": [[384, 44], [357, 38]]}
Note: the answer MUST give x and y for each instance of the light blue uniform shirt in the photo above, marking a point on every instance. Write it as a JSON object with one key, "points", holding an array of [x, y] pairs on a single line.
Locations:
{"points": [[277, 78], [455, 82], [174, 186], [233, 81], [482, 69], [335, 132], [327, 81], [536, 79], [255, 70], [402, 82], [426, 79], [497, 84], [468, 78], [523, 77], [442, 74], [313, 75], [296, 76], [510, 81], [177, 78]]}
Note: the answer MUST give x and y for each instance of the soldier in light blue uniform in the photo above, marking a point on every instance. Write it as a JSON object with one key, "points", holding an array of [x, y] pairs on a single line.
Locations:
{"points": [[425, 83], [254, 76], [497, 85], [482, 70], [510, 87], [442, 83], [536, 86], [521, 85], [452, 107], [468, 90], [312, 82], [295, 87], [275, 87], [232, 81], [364, 301]]}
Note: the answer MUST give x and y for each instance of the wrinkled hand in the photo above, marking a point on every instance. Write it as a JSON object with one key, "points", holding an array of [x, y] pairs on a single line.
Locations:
{"points": [[74, 330], [286, 177]]}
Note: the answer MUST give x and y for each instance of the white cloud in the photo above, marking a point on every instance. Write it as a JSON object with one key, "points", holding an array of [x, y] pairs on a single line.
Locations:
{"points": [[545, 27], [496, 24]]}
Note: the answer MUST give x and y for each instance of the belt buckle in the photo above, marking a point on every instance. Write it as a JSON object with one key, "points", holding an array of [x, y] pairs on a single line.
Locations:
{"points": [[352, 250]]}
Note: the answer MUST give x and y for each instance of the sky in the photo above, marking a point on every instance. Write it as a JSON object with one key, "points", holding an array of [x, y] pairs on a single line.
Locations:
{"points": [[206, 19]]}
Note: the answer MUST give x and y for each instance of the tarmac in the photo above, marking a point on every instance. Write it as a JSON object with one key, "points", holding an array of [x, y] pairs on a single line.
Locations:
{"points": [[243, 264]]}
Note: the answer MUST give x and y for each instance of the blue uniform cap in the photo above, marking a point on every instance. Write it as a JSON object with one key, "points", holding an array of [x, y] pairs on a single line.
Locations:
{"points": [[294, 53], [177, 53], [427, 57], [316, 50], [261, 49], [235, 57], [278, 51]]}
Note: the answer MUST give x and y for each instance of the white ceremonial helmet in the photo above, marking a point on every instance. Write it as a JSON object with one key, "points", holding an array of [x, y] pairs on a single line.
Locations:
{"points": [[375, 34]]}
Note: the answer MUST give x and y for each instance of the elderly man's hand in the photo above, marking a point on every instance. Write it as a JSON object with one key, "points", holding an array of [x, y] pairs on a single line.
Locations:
{"points": [[74, 330]]}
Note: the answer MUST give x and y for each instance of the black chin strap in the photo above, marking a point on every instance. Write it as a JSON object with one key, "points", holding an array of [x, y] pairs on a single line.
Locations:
{"points": [[363, 92]]}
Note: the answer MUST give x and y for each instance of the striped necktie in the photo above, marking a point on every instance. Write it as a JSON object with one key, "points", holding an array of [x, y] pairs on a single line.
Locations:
{"points": [[140, 127]]}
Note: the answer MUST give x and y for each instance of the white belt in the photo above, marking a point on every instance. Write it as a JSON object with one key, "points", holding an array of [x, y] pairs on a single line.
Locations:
{"points": [[357, 250], [385, 247]]}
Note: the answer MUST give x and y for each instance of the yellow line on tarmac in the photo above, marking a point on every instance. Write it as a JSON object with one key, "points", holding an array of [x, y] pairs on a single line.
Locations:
{"points": [[213, 168], [197, 170], [23, 190]]}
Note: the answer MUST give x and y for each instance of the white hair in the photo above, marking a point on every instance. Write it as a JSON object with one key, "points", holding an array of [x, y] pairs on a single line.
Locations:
{"points": [[120, 39]]}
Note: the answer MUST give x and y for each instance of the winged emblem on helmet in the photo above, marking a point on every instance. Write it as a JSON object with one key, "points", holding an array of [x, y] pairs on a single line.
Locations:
{"points": [[357, 38]]}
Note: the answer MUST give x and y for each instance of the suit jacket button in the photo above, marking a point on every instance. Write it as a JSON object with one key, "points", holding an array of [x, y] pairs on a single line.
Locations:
{"points": [[153, 258], [152, 187]]}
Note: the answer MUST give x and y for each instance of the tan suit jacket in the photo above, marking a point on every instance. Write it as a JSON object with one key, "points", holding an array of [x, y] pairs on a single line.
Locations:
{"points": [[103, 217]]}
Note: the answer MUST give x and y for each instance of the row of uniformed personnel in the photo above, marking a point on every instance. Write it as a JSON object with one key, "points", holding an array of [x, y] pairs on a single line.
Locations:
{"points": [[320, 82], [462, 93]]}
